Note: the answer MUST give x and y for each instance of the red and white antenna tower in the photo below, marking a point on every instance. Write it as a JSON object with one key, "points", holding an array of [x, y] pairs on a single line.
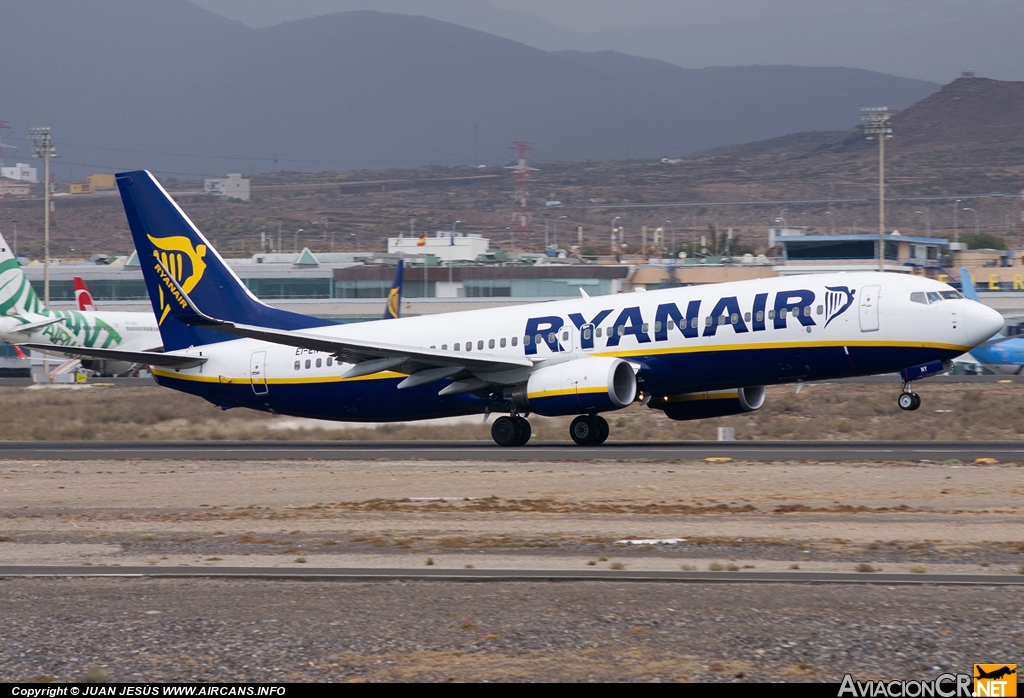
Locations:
{"points": [[521, 212]]}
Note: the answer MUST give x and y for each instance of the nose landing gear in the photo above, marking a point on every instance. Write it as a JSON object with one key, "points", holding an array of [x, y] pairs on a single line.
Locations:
{"points": [[908, 399]]}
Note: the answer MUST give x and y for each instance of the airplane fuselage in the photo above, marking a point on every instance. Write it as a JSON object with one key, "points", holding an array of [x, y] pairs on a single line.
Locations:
{"points": [[711, 337]]}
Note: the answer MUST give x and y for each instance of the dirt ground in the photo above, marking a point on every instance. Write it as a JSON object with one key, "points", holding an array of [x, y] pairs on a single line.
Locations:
{"points": [[898, 517], [821, 411]]}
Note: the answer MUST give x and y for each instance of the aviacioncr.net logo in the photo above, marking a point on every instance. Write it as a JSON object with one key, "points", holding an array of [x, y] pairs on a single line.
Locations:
{"points": [[177, 257]]}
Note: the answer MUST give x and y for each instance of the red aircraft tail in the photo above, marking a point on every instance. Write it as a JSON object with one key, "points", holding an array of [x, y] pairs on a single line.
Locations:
{"points": [[83, 296]]}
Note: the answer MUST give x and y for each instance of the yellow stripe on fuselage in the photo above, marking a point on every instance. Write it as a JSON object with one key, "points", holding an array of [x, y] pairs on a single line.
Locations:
{"points": [[246, 380], [567, 391], [779, 345]]}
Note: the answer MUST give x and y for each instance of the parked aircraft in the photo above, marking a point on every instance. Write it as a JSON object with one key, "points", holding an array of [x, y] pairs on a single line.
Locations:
{"points": [[1001, 353], [693, 352], [82, 295], [24, 319]]}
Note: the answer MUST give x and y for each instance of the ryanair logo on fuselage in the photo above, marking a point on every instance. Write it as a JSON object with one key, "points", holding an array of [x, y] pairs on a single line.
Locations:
{"points": [[798, 305], [177, 257]]}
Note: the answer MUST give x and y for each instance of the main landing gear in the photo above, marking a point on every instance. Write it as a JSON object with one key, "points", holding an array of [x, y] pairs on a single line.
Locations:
{"points": [[589, 430], [908, 399], [511, 431]]}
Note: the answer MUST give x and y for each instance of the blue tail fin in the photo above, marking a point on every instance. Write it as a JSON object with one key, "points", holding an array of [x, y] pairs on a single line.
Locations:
{"points": [[394, 308], [967, 285], [165, 236]]}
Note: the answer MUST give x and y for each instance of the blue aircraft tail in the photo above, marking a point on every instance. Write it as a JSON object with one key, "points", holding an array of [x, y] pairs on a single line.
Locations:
{"points": [[967, 285], [167, 242], [394, 307]]}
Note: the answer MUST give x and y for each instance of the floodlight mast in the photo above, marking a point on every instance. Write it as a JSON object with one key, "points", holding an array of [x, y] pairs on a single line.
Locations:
{"points": [[876, 125], [42, 147]]}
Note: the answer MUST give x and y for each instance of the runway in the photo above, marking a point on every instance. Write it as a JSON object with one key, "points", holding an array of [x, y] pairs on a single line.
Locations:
{"points": [[525, 575], [967, 451]]}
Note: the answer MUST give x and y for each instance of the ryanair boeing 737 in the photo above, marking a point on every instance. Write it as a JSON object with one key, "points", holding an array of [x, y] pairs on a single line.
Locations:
{"points": [[700, 351]]}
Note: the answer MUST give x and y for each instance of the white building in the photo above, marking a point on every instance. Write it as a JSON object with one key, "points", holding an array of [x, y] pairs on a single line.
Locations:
{"points": [[21, 172], [230, 187], [445, 245]]}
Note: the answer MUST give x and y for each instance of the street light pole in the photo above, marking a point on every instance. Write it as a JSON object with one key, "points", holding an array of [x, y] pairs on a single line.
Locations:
{"points": [[295, 242], [42, 146], [876, 125], [614, 221], [555, 241], [977, 228], [927, 220], [956, 229]]}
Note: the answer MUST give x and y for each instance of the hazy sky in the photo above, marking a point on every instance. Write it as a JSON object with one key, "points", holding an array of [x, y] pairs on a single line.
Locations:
{"points": [[926, 39]]}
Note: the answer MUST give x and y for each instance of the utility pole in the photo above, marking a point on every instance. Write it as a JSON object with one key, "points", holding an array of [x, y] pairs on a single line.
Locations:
{"points": [[876, 125], [42, 147]]}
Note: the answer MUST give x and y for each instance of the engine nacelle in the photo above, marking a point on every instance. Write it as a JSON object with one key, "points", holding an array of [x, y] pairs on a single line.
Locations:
{"points": [[582, 386], [711, 403]]}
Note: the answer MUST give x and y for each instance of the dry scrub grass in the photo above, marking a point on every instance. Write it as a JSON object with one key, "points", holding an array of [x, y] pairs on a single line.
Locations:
{"points": [[826, 411]]}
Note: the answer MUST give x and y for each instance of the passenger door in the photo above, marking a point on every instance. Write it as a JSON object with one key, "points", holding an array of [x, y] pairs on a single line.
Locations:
{"points": [[258, 372], [869, 308]]}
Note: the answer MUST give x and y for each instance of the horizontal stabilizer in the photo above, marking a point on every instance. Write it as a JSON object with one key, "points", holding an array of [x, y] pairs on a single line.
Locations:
{"points": [[33, 326], [152, 358]]}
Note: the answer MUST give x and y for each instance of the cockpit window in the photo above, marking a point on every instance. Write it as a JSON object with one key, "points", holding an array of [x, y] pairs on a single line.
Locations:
{"points": [[951, 295], [934, 297], [918, 297]]}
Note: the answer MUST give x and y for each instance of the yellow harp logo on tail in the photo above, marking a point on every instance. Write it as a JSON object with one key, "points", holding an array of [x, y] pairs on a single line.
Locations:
{"points": [[176, 256], [393, 303]]}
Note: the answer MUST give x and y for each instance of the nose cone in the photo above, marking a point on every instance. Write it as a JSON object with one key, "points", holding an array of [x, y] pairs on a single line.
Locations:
{"points": [[981, 322]]}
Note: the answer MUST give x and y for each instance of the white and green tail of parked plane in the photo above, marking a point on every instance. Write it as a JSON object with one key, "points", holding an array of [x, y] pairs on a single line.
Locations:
{"points": [[24, 319]]}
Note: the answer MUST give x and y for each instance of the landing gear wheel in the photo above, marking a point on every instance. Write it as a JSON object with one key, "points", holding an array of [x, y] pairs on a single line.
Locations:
{"points": [[602, 431], [909, 401], [525, 431], [584, 430], [506, 431]]}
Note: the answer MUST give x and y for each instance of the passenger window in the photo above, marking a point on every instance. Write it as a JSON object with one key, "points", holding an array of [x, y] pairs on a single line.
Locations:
{"points": [[807, 311], [480, 345], [330, 359], [319, 363], [657, 326], [934, 297], [565, 336], [951, 295], [526, 341], [771, 315], [693, 323], [611, 331], [734, 318], [707, 321], [444, 347], [723, 319], [490, 344], [298, 364], [538, 339], [586, 333], [918, 297], [670, 324], [621, 330], [746, 317], [502, 342], [760, 316], [308, 363], [782, 314], [598, 331], [457, 345], [515, 341], [821, 310], [644, 328], [469, 345], [552, 337]]}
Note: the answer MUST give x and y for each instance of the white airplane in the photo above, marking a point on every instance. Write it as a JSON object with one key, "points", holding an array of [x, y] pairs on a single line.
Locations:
{"points": [[24, 319], [691, 352]]}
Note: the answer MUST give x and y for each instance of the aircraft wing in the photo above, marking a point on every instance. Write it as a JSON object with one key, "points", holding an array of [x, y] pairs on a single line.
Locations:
{"points": [[153, 358], [369, 357]]}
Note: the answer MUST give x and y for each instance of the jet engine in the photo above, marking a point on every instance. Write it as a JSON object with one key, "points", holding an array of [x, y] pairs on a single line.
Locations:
{"points": [[710, 403], [582, 386]]}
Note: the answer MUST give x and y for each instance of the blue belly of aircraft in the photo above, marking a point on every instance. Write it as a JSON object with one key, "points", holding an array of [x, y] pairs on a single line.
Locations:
{"points": [[379, 400]]}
